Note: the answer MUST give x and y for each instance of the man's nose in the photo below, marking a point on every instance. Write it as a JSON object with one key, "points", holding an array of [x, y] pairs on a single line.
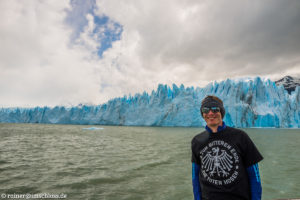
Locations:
{"points": [[210, 112]]}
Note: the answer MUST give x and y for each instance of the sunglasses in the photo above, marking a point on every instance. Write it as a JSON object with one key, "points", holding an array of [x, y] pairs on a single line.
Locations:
{"points": [[213, 109]]}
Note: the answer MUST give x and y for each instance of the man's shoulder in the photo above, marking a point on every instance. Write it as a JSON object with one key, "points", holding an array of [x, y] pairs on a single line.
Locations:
{"points": [[201, 137], [237, 133], [234, 130]]}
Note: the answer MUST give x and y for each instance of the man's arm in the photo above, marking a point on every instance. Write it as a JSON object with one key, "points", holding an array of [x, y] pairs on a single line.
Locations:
{"points": [[196, 183], [255, 183]]}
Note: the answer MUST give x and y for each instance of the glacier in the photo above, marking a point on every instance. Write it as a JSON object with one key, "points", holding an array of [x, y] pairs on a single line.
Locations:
{"points": [[249, 102]]}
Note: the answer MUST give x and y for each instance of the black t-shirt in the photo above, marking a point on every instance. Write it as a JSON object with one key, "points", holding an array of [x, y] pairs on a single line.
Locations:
{"points": [[223, 158]]}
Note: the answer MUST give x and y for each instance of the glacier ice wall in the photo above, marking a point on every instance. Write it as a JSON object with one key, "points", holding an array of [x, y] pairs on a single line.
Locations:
{"points": [[248, 103]]}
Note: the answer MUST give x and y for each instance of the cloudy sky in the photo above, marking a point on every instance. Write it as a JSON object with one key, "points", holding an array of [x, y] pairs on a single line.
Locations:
{"points": [[61, 52]]}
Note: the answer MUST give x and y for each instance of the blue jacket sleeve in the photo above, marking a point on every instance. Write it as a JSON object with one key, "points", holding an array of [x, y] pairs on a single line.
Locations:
{"points": [[196, 183], [255, 183]]}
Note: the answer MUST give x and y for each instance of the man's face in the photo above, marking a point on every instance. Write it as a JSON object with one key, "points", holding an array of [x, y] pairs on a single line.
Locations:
{"points": [[213, 119]]}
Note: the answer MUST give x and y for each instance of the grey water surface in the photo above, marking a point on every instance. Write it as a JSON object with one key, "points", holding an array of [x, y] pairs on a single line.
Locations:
{"points": [[134, 163]]}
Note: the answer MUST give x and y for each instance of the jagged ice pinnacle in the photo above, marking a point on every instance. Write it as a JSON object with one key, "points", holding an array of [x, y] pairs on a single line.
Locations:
{"points": [[252, 102]]}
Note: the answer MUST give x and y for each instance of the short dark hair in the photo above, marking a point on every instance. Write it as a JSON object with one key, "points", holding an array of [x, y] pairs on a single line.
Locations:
{"points": [[212, 97]]}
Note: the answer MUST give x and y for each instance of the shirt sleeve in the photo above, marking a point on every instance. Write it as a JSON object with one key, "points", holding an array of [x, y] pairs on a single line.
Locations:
{"points": [[195, 158], [254, 181], [196, 182], [251, 153]]}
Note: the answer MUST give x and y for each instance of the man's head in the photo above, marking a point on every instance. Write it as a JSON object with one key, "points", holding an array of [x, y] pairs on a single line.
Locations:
{"points": [[212, 110]]}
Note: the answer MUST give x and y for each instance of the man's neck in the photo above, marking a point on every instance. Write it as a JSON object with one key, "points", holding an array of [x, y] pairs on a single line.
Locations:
{"points": [[215, 129]]}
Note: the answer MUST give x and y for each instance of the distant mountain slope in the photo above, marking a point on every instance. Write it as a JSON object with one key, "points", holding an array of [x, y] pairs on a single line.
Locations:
{"points": [[249, 102], [289, 83]]}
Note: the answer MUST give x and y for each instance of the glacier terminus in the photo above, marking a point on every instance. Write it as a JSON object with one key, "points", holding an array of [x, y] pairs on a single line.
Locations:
{"points": [[249, 102]]}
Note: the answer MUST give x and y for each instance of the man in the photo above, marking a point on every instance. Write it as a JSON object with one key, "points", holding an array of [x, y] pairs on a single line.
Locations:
{"points": [[224, 159]]}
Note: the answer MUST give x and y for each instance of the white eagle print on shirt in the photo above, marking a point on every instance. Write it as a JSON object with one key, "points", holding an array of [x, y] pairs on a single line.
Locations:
{"points": [[219, 163]]}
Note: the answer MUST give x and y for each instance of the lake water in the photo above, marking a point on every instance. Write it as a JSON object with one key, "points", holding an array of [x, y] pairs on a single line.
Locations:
{"points": [[133, 163]]}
